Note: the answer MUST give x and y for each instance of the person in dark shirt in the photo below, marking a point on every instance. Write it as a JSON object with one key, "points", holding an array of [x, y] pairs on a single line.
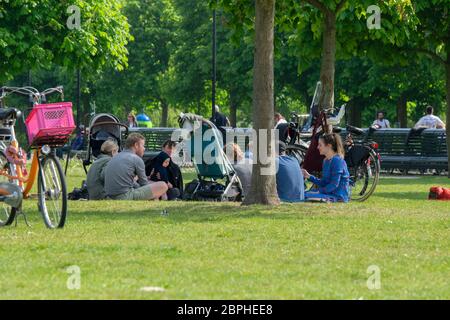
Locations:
{"points": [[175, 177], [219, 119]]}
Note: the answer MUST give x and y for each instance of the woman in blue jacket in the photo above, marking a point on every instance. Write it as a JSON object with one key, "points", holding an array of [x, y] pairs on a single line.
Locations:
{"points": [[334, 184]]}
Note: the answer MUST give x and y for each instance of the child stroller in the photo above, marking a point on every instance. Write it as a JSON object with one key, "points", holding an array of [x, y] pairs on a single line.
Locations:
{"points": [[210, 161], [102, 127]]}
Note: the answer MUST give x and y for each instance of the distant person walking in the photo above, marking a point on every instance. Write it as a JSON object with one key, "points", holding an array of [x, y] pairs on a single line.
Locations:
{"points": [[381, 122], [430, 121]]}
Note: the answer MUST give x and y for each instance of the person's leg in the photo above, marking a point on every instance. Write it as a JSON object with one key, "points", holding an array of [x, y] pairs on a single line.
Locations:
{"points": [[158, 189], [317, 196], [150, 191]]}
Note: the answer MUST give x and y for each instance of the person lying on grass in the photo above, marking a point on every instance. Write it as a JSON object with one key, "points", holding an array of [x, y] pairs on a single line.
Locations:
{"points": [[160, 173], [334, 185], [125, 177]]}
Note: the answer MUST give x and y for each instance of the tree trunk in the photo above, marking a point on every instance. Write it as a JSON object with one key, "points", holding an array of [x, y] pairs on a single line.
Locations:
{"points": [[327, 69], [164, 113], [447, 69], [263, 190], [402, 115], [233, 110]]}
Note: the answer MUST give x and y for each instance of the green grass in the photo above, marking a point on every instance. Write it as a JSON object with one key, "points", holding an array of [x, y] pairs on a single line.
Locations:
{"points": [[225, 251]]}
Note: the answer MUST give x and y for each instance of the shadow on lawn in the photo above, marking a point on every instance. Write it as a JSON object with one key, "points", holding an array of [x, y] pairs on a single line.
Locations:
{"points": [[180, 212], [414, 196]]}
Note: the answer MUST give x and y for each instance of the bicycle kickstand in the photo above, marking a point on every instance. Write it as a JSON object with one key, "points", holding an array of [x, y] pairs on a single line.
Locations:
{"points": [[21, 212]]}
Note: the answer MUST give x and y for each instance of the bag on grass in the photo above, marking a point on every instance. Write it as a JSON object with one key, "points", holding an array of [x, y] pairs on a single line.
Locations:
{"points": [[79, 193], [439, 193]]}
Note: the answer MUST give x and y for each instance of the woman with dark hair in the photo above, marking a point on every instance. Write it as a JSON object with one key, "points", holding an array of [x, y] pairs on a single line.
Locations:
{"points": [[334, 184], [160, 172]]}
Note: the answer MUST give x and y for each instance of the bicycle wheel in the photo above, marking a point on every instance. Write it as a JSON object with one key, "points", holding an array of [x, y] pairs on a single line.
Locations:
{"points": [[364, 178], [296, 151], [52, 192], [7, 213]]}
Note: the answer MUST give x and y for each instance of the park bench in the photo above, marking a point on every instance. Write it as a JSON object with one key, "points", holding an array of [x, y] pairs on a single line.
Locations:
{"points": [[408, 149], [400, 149], [154, 139]]}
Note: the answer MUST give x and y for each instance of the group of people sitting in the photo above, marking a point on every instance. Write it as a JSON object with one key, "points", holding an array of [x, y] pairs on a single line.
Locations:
{"points": [[125, 176], [333, 186]]}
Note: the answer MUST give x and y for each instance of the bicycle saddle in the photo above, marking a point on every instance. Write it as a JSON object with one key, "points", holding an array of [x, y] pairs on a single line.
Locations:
{"points": [[355, 130], [6, 113]]}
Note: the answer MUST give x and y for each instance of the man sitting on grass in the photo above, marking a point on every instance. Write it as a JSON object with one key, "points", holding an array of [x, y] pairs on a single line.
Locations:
{"points": [[290, 182], [125, 177]]}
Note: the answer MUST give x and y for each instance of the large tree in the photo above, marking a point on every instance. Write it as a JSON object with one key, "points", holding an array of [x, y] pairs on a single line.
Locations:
{"points": [[263, 188]]}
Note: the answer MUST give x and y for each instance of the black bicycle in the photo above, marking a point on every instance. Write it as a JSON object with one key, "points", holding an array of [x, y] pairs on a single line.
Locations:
{"points": [[361, 155], [363, 161]]}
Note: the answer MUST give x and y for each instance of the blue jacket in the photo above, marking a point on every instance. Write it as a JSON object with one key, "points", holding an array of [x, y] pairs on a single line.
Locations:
{"points": [[290, 181], [335, 179]]}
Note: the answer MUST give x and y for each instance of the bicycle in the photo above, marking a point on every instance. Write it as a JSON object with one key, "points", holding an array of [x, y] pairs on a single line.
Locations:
{"points": [[361, 156], [363, 161], [48, 126]]}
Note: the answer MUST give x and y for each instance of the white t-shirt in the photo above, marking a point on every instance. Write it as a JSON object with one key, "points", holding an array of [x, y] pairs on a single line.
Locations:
{"points": [[280, 122], [429, 121], [382, 123]]}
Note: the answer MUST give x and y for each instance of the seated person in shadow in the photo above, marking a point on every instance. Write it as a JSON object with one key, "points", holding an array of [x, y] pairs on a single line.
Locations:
{"points": [[160, 172], [174, 172], [241, 165], [290, 182], [95, 180]]}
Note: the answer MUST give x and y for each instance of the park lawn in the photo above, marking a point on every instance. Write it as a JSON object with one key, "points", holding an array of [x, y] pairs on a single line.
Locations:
{"points": [[225, 251]]}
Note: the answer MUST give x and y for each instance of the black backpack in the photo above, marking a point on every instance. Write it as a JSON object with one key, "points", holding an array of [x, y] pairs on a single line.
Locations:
{"points": [[79, 193]]}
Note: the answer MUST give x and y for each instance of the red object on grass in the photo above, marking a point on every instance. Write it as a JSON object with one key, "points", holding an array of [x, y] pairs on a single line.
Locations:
{"points": [[439, 193], [50, 124]]}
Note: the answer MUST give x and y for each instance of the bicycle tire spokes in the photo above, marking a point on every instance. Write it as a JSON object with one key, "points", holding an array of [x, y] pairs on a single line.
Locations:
{"points": [[52, 193]]}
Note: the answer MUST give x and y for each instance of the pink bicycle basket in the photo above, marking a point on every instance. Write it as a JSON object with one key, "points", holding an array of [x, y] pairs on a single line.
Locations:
{"points": [[50, 124]]}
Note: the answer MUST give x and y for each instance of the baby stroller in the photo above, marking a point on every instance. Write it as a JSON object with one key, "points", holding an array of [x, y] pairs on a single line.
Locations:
{"points": [[210, 161], [102, 127]]}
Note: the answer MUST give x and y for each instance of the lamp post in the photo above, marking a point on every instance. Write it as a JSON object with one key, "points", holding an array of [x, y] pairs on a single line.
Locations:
{"points": [[214, 73], [78, 97]]}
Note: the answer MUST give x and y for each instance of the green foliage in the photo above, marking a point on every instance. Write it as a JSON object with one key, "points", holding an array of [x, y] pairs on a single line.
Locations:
{"points": [[169, 61], [34, 35]]}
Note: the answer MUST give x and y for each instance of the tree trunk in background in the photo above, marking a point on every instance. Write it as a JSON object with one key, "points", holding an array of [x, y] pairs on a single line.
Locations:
{"points": [[402, 114], [164, 113], [233, 110], [263, 190], [327, 69], [447, 69], [355, 109]]}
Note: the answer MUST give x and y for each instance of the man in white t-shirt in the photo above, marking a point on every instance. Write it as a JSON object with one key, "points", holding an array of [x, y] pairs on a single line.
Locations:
{"points": [[430, 121], [381, 122]]}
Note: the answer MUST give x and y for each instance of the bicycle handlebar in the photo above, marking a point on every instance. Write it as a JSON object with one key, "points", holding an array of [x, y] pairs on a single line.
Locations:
{"points": [[31, 92]]}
